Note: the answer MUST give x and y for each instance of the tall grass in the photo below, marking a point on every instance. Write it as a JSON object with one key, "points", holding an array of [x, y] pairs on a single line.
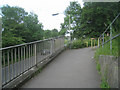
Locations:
{"points": [[106, 49]]}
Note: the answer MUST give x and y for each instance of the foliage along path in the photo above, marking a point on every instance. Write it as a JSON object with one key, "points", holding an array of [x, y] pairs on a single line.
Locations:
{"points": [[71, 69]]}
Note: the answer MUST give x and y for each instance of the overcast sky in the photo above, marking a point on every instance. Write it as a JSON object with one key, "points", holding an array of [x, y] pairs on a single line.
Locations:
{"points": [[44, 9]]}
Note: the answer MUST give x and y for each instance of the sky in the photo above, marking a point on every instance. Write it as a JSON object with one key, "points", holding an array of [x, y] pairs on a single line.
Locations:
{"points": [[44, 9]]}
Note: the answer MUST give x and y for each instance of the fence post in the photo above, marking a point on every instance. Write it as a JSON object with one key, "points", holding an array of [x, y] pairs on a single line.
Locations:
{"points": [[110, 39], [35, 54]]}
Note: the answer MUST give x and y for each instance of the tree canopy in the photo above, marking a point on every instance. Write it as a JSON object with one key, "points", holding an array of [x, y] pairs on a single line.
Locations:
{"points": [[19, 26], [92, 19]]}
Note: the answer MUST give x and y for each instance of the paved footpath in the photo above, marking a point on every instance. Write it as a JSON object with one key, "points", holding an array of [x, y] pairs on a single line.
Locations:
{"points": [[71, 69]]}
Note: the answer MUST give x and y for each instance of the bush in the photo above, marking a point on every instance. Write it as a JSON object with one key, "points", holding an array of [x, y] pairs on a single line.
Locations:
{"points": [[104, 83], [78, 44]]}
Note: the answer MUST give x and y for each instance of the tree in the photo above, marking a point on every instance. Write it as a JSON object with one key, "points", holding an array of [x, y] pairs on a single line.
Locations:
{"points": [[72, 13], [47, 34], [19, 26], [33, 29], [54, 33], [63, 30], [12, 17], [95, 18], [92, 19]]}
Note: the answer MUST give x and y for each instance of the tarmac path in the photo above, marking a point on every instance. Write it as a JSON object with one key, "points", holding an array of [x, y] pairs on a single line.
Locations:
{"points": [[71, 69]]}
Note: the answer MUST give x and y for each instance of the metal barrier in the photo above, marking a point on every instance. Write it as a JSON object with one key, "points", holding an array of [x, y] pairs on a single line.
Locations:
{"points": [[16, 60], [102, 37]]}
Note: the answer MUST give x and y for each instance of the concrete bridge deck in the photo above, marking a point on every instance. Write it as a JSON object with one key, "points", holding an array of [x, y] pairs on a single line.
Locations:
{"points": [[71, 69]]}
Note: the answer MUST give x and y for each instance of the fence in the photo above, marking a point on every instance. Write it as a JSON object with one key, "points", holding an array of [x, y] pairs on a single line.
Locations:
{"points": [[16, 60], [102, 37]]}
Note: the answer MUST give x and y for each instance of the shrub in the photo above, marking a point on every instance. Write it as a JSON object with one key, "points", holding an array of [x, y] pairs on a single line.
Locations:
{"points": [[77, 44]]}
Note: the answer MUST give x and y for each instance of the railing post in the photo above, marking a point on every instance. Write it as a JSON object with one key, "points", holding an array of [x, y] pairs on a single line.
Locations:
{"points": [[110, 39], [35, 54], [51, 47]]}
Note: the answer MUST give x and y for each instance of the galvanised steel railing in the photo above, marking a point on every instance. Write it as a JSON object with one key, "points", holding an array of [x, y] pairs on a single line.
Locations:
{"points": [[16, 60], [102, 37]]}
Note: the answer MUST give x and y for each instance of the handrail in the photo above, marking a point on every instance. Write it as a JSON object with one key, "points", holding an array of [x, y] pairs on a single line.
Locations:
{"points": [[111, 36], [29, 43], [110, 24], [19, 59]]}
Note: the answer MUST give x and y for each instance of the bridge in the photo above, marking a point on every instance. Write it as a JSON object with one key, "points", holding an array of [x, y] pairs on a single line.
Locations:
{"points": [[47, 64], [21, 66]]}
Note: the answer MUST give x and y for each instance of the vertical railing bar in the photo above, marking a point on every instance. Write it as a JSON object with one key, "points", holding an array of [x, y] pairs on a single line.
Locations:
{"points": [[35, 53], [50, 46], [18, 62], [12, 63], [21, 60], [8, 65], [15, 64], [54, 44], [43, 49], [24, 59], [4, 67], [29, 57]]}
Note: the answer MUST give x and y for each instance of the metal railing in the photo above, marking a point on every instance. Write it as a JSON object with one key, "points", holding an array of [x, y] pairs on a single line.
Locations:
{"points": [[102, 37], [16, 60]]}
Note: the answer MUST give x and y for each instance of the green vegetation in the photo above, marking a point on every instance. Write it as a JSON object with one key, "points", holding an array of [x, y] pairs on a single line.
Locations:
{"points": [[88, 22], [81, 43], [104, 83], [98, 66], [91, 20], [20, 27], [106, 49], [78, 44]]}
